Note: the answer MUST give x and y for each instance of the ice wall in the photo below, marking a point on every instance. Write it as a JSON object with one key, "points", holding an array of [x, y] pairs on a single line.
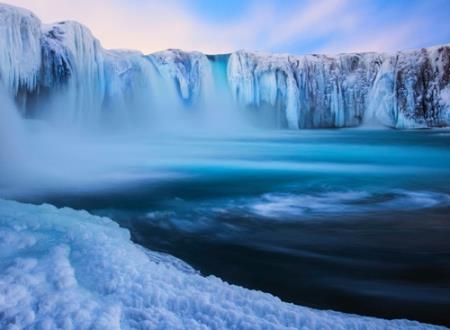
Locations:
{"points": [[401, 90], [61, 72], [191, 73], [70, 51], [20, 48]]}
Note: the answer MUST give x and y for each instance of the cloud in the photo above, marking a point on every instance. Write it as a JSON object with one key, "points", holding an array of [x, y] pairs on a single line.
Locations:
{"points": [[307, 21], [150, 26], [144, 25], [407, 26], [303, 26]]}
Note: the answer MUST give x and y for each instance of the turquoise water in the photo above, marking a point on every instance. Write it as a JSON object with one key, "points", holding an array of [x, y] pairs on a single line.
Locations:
{"points": [[351, 220]]}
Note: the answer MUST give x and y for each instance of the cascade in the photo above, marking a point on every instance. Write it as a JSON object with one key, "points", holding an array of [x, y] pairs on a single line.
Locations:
{"points": [[62, 73]]}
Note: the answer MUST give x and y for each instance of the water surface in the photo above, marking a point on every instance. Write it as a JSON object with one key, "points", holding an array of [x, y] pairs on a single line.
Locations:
{"points": [[350, 220]]}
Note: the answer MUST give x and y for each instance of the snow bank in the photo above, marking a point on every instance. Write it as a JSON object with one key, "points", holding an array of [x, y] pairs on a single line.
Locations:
{"points": [[67, 269]]}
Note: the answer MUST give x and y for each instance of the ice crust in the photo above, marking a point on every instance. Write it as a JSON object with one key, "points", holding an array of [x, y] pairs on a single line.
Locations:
{"points": [[67, 269]]}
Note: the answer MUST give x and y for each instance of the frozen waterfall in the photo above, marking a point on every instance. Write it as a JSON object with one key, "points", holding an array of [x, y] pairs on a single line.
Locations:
{"points": [[61, 72]]}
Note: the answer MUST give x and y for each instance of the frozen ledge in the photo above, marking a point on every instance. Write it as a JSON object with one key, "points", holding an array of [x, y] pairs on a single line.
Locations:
{"points": [[61, 268]]}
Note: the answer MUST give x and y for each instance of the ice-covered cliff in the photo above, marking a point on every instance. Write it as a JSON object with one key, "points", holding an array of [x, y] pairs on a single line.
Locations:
{"points": [[406, 89], [61, 71]]}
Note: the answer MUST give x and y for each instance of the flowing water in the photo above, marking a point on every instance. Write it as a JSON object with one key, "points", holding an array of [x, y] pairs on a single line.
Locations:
{"points": [[350, 220]]}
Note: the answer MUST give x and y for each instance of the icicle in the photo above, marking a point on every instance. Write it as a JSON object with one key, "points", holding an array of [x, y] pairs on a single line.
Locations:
{"points": [[20, 49]]}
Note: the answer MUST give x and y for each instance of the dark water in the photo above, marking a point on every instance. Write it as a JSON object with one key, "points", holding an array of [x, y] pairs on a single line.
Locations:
{"points": [[350, 220]]}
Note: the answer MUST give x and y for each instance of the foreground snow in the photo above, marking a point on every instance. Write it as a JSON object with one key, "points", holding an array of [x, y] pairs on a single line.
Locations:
{"points": [[61, 268]]}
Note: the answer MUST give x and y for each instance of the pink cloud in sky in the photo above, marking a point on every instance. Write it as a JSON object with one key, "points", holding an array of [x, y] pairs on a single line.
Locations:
{"points": [[149, 26]]}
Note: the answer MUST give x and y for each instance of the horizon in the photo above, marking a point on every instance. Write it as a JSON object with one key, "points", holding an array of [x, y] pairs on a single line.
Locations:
{"points": [[305, 27]]}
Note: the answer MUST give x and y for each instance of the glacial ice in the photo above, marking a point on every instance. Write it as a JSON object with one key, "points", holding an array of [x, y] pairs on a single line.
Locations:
{"points": [[68, 269], [63, 69]]}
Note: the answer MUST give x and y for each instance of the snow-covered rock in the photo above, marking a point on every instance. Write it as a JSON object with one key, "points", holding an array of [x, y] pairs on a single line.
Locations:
{"points": [[62, 69], [67, 269]]}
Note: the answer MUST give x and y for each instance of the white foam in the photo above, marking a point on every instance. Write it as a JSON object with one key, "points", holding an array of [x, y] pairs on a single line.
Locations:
{"points": [[338, 203]]}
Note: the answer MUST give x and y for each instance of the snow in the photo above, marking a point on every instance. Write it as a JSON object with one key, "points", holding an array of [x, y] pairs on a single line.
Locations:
{"points": [[62, 268]]}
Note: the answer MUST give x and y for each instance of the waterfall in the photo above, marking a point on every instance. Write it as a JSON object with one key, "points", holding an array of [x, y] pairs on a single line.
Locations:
{"points": [[62, 74], [12, 138]]}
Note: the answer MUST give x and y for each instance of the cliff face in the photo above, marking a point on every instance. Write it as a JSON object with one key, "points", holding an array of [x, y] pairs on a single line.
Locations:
{"points": [[406, 89], [63, 67]]}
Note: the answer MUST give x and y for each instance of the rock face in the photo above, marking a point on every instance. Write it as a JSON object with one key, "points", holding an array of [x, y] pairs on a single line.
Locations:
{"points": [[63, 69]]}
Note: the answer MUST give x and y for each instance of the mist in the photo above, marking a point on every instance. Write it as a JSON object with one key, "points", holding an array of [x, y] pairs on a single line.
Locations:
{"points": [[58, 150]]}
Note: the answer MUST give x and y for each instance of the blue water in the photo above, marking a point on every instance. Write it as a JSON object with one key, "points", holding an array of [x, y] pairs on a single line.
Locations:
{"points": [[351, 220]]}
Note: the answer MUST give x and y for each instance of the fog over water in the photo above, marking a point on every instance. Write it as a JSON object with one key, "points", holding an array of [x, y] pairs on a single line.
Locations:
{"points": [[351, 219]]}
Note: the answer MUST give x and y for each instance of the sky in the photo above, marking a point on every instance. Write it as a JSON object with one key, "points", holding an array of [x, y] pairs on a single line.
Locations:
{"points": [[283, 26]]}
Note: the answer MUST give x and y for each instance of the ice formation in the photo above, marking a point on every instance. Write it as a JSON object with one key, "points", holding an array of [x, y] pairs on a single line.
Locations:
{"points": [[20, 48], [67, 269], [191, 72], [64, 69], [399, 90]]}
